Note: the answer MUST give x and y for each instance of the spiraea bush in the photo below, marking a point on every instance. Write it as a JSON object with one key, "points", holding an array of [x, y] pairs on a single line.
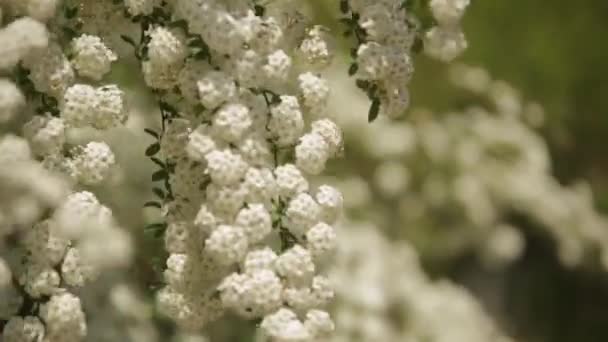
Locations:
{"points": [[226, 109]]}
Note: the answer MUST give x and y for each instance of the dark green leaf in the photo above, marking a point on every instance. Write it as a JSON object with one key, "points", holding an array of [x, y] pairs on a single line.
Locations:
{"points": [[156, 229], [371, 91], [165, 107], [160, 175], [128, 40], [346, 21], [158, 162], [71, 12], [159, 192], [183, 24], [353, 69], [259, 10], [153, 204], [374, 110], [344, 6], [69, 32], [152, 132], [362, 84], [418, 45], [152, 149]]}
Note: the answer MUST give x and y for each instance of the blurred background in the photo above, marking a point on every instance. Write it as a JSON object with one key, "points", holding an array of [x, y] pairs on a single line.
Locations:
{"points": [[554, 53]]}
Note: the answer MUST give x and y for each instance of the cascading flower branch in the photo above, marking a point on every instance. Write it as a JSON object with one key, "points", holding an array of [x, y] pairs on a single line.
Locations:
{"points": [[243, 129], [58, 74], [387, 34]]}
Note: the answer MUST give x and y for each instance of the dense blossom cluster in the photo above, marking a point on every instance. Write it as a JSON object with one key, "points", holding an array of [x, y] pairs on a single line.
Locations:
{"points": [[445, 41], [387, 34], [246, 231], [49, 227]]}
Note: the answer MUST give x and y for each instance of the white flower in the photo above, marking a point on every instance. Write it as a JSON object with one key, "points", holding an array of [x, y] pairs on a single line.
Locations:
{"points": [[165, 48], [448, 12], [200, 143], [286, 122], [296, 265], [91, 57], [215, 88], [45, 134], [445, 43], [277, 66], [92, 164], [256, 222], [227, 244], [284, 326], [225, 167], [302, 213], [259, 259], [331, 202], [312, 153], [23, 329], [290, 180], [231, 122], [63, 318], [319, 323], [11, 99], [315, 92], [321, 239]]}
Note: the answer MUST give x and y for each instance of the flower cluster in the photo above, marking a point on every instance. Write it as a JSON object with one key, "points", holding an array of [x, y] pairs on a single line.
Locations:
{"points": [[445, 41], [50, 226], [383, 294], [243, 129], [387, 34]]}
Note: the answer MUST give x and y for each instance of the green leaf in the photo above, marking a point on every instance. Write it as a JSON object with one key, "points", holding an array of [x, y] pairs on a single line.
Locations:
{"points": [[71, 12], [362, 84], [201, 55], [152, 132], [156, 229], [183, 24], [374, 110], [128, 40], [158, 162], [418, 45], [344, 6], [153, 149], [153, 204], [159, 192], [165, 107], [160, 175], [69, 32], [346, 21], [353, 69], [259, 10]]}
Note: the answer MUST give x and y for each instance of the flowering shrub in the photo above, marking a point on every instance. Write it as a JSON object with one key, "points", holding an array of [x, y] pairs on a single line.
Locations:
{"points": [[246, 227]]}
